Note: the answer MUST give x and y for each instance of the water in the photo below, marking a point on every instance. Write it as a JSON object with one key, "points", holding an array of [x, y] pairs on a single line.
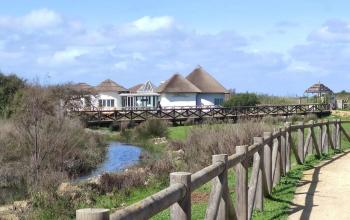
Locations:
{"points": [[119, 156]]}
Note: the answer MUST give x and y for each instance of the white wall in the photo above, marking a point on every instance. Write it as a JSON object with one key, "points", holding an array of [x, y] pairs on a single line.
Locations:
{"points": [[108, 95], [208, 98], [177, 99]]}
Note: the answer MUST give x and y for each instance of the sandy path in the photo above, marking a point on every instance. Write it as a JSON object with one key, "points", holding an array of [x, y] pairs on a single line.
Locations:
{"points": [[324, 192]]}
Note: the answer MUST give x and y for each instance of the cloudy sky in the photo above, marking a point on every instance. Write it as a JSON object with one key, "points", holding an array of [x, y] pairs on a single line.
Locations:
{"points": [[275, 47]]}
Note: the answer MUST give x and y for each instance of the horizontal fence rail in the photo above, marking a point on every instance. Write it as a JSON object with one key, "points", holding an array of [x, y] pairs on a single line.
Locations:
{"points": [[184, 113], [271, 159]]}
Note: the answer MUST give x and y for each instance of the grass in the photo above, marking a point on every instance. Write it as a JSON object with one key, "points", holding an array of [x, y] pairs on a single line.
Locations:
{"points": [[276, 206]]}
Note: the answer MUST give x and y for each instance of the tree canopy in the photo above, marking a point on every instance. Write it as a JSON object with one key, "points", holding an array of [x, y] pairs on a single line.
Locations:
{"points": [[9, 87]]}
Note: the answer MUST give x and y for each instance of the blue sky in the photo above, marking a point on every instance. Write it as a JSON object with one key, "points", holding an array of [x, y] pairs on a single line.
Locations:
{"points": [[274, 47]]}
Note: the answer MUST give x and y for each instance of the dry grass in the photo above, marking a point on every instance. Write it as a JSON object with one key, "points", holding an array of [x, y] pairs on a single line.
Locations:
{"points": [[207, 140]]}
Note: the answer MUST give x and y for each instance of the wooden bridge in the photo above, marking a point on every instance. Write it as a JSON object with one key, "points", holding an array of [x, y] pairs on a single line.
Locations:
{"points": [[271, 158], [198, 113]]}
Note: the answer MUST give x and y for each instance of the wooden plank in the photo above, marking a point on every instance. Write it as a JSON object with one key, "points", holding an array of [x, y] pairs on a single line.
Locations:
{"points": [[288, 137], [300, 149], [253, 184]]}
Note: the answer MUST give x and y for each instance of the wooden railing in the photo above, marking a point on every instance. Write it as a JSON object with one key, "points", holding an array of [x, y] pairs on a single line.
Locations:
{"points": [[271, 156], [181, 114]]}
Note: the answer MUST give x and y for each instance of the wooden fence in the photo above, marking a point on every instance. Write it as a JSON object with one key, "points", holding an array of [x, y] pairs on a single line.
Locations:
{"points": [[271, 156], [183, 113]]}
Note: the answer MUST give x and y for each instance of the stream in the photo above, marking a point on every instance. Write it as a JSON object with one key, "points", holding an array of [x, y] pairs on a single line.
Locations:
{"points": [[119, 156]]}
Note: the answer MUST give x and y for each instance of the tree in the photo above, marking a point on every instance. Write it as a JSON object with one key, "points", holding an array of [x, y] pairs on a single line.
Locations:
{"points": [[242, 99], [9, 87]]}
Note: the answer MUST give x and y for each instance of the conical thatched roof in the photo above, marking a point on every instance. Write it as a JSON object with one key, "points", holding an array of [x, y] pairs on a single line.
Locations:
{"points": [[178, 84], [110, 86], [318, 88], [82, 87], [205, 82]]}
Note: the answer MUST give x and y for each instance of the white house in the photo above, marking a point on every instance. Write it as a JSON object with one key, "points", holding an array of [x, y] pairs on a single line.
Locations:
{"points": [[212, 92], [109, 95], [141, 96], [178, 92], [199, 88]]}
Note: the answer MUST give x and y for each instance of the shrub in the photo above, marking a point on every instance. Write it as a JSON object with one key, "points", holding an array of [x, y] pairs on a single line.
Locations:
{"points": [[207, 140], [149, 129], [242, 99]]}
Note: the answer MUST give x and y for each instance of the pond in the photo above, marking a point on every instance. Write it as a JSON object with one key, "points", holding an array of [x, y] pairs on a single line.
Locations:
{"points": [[119, 156]]}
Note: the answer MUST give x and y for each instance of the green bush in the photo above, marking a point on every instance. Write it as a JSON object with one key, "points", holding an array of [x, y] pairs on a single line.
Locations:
{"points": [[242, 99], [151, 128]]}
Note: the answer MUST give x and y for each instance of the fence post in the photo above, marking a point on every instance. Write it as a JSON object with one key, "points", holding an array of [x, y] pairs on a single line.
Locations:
{"points": [[334, 134], [301, 136], [319, 139], [92, 214], [242, 185], [283, 151], [288, 139], [338, 133], [268, 164], [325, 137], [222, 180], [182, 209], [276, 159], [259, 196]]}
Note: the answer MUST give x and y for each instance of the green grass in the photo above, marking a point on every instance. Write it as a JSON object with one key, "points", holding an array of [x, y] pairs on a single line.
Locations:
{"points": [[179, 132]]}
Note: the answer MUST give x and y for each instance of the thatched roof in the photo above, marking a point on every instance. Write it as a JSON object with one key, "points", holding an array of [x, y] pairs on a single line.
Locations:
{"points": [[205, 82], [82, 87], [135, 88], [110, 86], [178, 84], [147, 87], [318, 88]]}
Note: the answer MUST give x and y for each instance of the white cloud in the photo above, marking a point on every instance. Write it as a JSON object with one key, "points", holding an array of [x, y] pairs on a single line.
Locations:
{"points": [[148, 23], [36, 19]]}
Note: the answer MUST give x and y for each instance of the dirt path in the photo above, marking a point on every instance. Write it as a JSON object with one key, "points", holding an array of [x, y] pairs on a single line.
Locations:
{"points": [[324, 192]]}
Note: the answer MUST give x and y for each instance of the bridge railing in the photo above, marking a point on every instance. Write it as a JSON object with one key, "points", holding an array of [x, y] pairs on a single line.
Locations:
{"points": [[178, 114], [271, 158]]}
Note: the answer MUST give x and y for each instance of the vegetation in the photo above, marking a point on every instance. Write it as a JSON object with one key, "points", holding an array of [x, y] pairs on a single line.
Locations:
{"points": [[41, 146], [277, 100], [242, 99], [9, 88]]}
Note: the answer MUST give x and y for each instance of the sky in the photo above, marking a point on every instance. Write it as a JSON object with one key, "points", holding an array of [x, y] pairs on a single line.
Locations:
{"points": [[272, 47]]}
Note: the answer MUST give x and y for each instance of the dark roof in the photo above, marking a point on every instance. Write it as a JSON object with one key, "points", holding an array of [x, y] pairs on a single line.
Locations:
{"points": [[178, 84], [205, 82], [318, 88], [110, 86]]}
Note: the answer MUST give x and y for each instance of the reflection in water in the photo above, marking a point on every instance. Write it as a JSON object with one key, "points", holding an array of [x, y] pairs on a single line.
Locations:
{"points": [[119, 156]]}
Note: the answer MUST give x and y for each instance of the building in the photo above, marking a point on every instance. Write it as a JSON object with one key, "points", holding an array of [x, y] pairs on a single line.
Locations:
{"points": [[212, 92], [178, 92], [199, 88], [109, 95], [141, 96]]}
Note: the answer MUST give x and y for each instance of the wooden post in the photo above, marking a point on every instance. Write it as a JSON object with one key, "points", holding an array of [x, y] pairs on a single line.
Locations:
{"points": [[319, 138], [182, 209], [276, 160], [334, 134], [222, 181], [288, 139], [283, 151], [267, 164], [325, 137], [259, 197], [92, 214], [242, 185], [301, 141], [338, 133]]}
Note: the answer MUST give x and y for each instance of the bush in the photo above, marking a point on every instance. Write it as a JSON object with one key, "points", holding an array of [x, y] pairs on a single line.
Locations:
{"points": [[242, 99], [149, 129], [207, 140]]}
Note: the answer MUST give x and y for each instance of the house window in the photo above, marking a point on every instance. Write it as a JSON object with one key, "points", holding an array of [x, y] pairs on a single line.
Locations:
{"points": [[219, 101], [106, 102], [100, 103], [112, 102]]}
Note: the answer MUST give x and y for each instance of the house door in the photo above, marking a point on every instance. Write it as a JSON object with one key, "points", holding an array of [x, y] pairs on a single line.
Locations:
{"points": [[198, 100]]}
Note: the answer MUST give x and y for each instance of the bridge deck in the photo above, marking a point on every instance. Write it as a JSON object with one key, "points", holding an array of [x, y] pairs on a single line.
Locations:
{"points": [[324, 191], [182, 114]]}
